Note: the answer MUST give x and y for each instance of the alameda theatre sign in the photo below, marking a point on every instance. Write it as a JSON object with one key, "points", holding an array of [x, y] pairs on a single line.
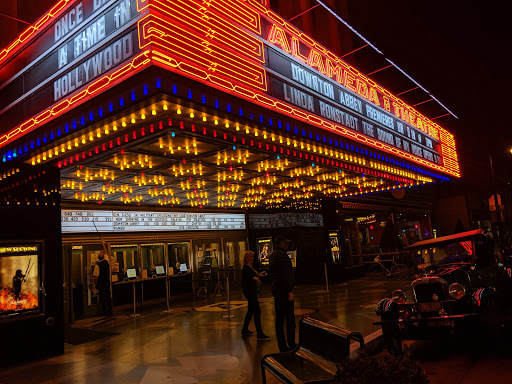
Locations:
{"points": [[321, 85]]}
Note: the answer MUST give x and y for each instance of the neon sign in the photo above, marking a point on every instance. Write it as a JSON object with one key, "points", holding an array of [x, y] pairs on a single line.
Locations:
{"points": [[232, 45], [188, 38]]}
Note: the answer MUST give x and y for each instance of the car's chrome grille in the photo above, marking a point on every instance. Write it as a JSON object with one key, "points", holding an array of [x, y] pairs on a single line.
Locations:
{"points": [[425, 292]]}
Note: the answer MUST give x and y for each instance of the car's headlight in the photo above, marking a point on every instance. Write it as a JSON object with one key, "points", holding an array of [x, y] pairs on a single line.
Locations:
{"points": [[405, 311], [399, 296], [457, 291]]}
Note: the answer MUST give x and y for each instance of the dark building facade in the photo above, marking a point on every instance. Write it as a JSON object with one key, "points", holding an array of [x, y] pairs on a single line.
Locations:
{"points": [[177, 135]]}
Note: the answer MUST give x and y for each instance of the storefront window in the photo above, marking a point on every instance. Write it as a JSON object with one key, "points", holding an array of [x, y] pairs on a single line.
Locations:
{"points": [[213, 251], [207, 255], [152, 259]]}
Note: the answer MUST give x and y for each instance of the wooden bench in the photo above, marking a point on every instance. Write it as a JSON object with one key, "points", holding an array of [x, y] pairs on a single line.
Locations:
{"points": [[320, 347]]}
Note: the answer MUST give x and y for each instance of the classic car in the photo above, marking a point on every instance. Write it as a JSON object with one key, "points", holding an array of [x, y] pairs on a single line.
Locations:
{"points": [[459, 283]]}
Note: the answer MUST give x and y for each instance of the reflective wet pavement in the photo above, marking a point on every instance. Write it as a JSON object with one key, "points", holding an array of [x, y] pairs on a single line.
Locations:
{"points": [[195, 343]]}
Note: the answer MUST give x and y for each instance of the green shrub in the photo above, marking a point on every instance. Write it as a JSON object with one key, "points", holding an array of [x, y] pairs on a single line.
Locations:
{"points": [[381, 369]]}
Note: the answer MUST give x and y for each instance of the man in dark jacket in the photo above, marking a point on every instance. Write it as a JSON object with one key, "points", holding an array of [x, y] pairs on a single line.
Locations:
{"points": [[281, 273], [103, 285]]}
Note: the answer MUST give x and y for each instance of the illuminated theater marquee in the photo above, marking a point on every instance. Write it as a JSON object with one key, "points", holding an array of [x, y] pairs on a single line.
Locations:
{"points": [[221, 43], [237, 46], [86, 42]]}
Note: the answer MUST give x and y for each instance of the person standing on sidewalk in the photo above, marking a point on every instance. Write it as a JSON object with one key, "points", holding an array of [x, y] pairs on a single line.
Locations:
{"points": [[103, 284], [281, 273], [251, 284]]}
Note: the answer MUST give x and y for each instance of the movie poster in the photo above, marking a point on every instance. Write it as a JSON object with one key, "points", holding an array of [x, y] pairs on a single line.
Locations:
{"points": [[19, 283], [264, 251], [335, 247]]}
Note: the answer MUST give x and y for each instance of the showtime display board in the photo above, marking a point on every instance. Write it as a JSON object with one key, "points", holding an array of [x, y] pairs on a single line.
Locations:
{"points": [[83, 221], [238, 46], [282, 220]]}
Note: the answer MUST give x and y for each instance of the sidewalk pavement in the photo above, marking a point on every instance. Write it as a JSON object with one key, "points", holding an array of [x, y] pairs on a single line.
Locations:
{"points": [[195, 343]]}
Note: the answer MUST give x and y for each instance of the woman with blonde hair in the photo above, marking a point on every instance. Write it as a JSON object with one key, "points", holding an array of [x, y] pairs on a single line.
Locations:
{"points": [[251, 284]]}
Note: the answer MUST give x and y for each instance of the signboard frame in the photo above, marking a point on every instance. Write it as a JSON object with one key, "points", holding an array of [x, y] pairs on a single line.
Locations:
{"points": [[113, 221], [24, 249]]}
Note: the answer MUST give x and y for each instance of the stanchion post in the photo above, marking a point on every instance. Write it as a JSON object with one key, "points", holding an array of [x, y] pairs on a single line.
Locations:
{"points": [[135, 314], [167, 295], [326, 278], [229, 315]]}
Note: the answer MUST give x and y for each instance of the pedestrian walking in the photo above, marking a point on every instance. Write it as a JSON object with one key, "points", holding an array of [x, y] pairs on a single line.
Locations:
{"points": [[251, 284], [281, 273]]}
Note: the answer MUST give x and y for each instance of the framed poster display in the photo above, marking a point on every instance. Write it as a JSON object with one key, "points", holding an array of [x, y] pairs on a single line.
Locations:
{"points": [[334, 246], [264, 250], [20, 280]]}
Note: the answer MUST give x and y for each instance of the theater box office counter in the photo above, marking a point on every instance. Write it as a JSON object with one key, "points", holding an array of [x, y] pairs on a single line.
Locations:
{"points": [[148, 247], [174, 105]]}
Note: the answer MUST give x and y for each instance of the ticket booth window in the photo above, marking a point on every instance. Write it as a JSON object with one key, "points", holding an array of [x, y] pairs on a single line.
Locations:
{"points": [[152, 257], [126, 257], [178, 257]]}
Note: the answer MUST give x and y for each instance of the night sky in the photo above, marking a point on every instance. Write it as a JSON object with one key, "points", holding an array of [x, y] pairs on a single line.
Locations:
{"points": [[458, 50]]}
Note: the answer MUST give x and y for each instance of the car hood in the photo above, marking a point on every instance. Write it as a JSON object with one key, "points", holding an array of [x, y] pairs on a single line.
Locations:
{"points": [[453, 273]]}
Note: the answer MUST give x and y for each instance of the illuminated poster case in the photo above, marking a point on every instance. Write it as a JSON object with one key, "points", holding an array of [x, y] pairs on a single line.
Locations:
{"points": [[334, 246], [265, 248], [83, 221], [20, 280]]}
